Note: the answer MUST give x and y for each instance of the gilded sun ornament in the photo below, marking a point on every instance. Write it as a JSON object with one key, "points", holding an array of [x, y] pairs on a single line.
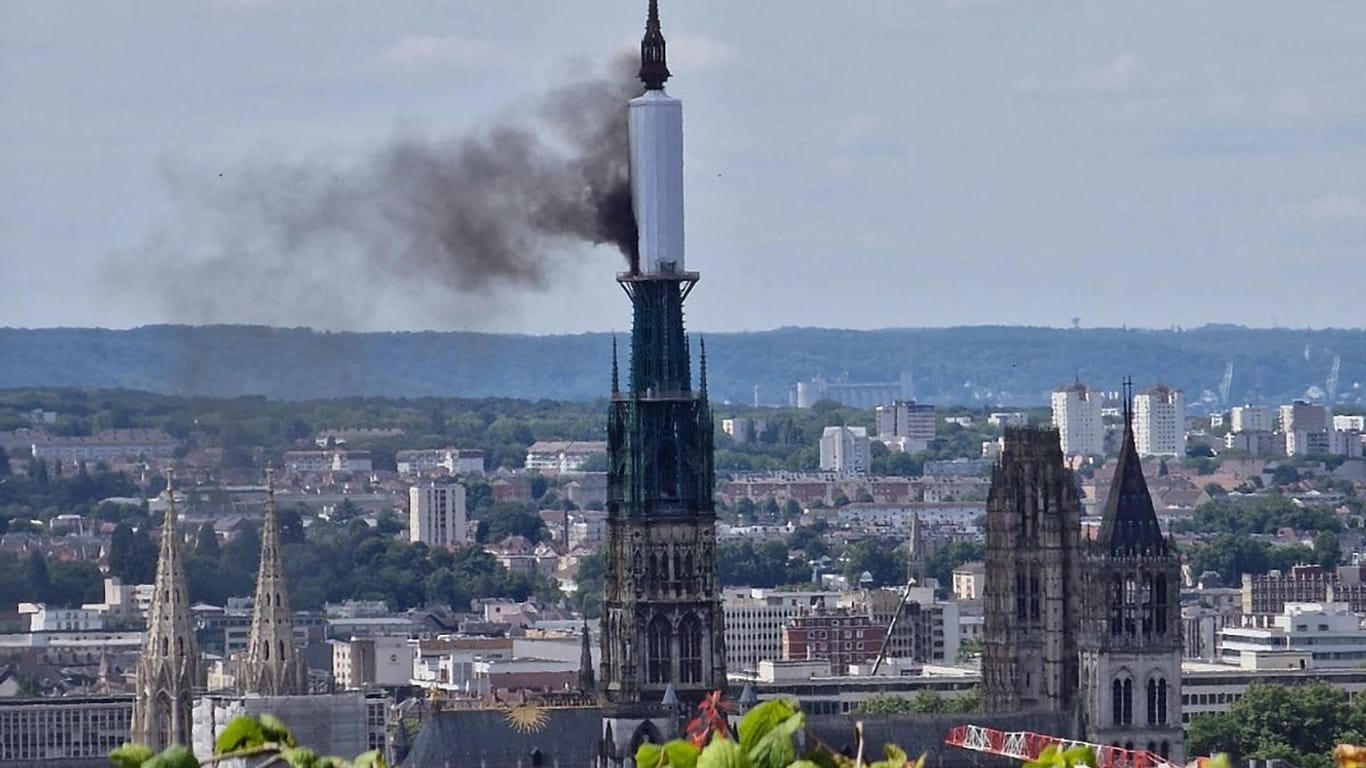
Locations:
{"points": [[526, 719]]}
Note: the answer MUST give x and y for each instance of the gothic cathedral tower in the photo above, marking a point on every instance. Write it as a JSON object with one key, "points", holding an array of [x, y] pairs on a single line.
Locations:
{"points": [[1029, 656], [273, 666], [662, 635], [1131, 626], [169, 672]]}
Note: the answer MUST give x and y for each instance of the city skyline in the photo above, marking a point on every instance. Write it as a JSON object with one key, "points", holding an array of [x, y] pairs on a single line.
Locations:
{"points": [[921, 147]]}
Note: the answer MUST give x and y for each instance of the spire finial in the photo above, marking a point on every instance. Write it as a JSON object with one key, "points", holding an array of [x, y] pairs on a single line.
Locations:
{"points": [[270, 491], [616, 382], [702, 367], [653, 70], [1128, 402]]}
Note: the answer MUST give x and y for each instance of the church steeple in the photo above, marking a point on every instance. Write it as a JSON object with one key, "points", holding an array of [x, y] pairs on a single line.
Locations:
{"points": [[272, 665], [170, 669], [1129, 524], [587, 681], [653, 69]]}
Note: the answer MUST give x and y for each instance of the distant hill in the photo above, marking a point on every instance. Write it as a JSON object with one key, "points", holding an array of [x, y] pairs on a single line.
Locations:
{"points": [[983, 365]]}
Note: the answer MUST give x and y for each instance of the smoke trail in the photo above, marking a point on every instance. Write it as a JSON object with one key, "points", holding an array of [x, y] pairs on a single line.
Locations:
{"points": [[469, 215]]}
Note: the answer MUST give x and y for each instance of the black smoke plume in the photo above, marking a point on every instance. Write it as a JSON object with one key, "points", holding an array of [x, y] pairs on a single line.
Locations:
{"points": [[470, 215]]}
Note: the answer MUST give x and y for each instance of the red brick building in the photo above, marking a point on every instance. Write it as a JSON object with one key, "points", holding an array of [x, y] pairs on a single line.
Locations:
{"points": [[839, 636]]}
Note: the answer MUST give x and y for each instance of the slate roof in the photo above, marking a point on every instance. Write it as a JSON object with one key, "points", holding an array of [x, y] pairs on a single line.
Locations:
{"points": [[567, 737], [1129, 524]]}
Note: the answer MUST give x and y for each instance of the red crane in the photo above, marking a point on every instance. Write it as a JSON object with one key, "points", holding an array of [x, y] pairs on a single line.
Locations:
{"points": [[1028, 745]]}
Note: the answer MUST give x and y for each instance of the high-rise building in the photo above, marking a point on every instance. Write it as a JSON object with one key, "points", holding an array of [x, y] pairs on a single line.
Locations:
{"points": [[1131, 638], [170, 670], [1076, 416], [1251, 418], [845, 450], [663, 642], [1029, 654], [273, 666], [908, 422], [436, 515], [1160, 422]]}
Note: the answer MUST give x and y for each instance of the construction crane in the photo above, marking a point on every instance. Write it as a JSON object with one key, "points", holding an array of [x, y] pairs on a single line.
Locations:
{"points": [[1027, 746], [1226, 385], [1333, 379]]}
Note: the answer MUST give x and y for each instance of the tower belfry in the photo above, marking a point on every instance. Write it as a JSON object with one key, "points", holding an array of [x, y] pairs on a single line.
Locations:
{"points": [[272, 665], [1130, 644], [170, 671], [662, 631]]}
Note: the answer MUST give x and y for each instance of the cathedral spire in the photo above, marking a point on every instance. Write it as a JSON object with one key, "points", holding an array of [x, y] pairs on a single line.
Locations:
{"points": [[1129, 524], [587, 683], [170, 668], [653, 70], [616, 380], [702, 366], [272, 665]]}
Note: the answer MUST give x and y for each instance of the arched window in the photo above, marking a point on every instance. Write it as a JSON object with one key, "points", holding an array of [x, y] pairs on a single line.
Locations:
{"points": [[165, 646], [1128, 703], [1165, 750], [690, 650], [1117, 605], [659, 661], [1152, 702], [1117, 702], [1162, 701], [1034, 594], [1130, 605], [280, 648], [265, 651], [1149, 606], [1021, 596], [1162, 605]]}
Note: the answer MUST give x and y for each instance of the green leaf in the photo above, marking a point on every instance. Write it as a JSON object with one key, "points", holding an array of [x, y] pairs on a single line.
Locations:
{"points": [[649, 756], [276, 732], [299, 757], [371, 759], [680, 754], [173, 757], [776, 749], [895, 755], [759, 721], [241, 733], [723, 753], [131, 755], [1079, 755], [804, 764]]}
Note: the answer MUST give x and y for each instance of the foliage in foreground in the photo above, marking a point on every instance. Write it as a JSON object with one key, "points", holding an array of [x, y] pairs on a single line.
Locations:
{"points": [[766, 739], [244, 738]]}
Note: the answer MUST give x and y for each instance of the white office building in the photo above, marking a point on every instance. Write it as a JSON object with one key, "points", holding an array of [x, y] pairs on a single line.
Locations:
{"points": [[1328, 632], [1349, 423], [1160, 422], [755, 619], [845, 450], [436, 515], [1076, 415], [1251, 418]]}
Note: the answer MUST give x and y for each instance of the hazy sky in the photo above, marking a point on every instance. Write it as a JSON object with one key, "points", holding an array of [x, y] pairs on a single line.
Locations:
{"points": [[868, 164]]}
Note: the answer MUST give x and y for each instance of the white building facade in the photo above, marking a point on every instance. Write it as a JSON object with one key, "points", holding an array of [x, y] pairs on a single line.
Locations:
{"points": [[437, 515], [1160, 422], [845, 450], [1076, 415], [1251, 418]]}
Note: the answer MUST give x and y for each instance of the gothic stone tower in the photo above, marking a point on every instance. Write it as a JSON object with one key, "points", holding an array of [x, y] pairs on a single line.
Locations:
{"points": [[1131, 628], [662, 636], [1029, 659], [169, 670], [272, 666]]}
